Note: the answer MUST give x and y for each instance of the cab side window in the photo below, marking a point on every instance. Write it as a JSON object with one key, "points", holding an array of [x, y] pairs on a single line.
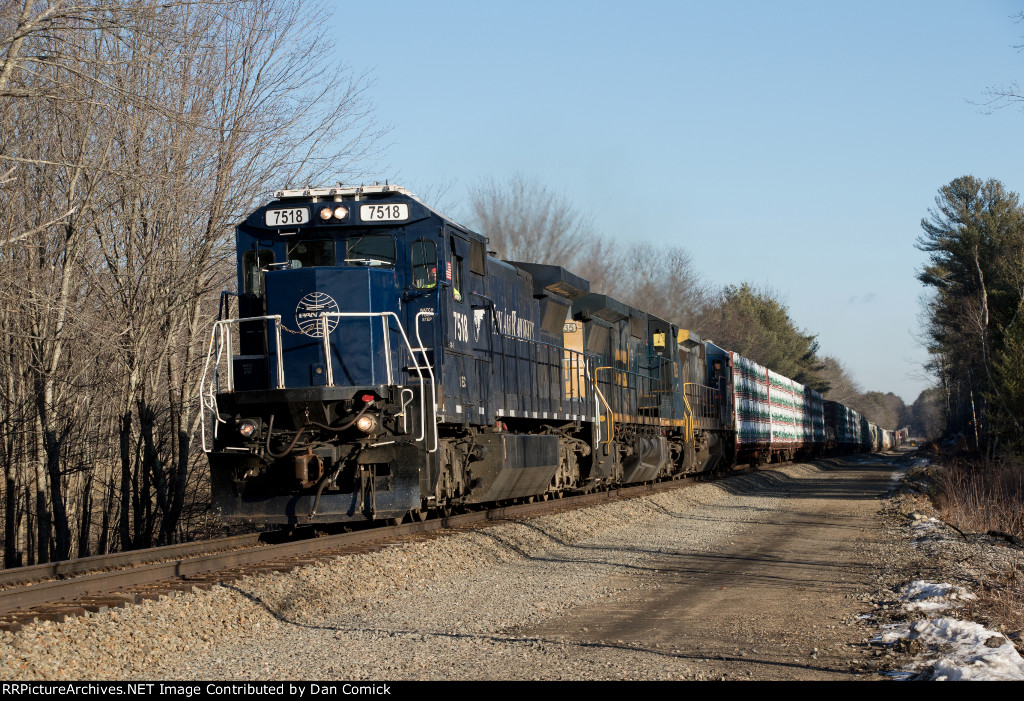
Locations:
{"points": [[424, 265], [457, 288], [254, 262]]}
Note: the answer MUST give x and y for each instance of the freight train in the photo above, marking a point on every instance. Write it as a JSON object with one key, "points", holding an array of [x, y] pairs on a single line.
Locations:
{"points": [[383, 364]]}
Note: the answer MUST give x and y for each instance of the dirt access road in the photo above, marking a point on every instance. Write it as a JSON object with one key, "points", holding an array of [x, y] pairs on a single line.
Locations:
{"points": [[778, 599]]}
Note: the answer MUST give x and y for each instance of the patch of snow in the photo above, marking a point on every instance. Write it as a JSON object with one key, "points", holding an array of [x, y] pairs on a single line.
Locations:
{"points": [[929, 596], [958, 651], [925, 527], [928, 606], [946, 648]]}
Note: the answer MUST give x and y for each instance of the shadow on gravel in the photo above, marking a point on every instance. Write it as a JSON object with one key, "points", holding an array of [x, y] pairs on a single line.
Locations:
{"points": [[589, 554], [696, 570], [710, 568], [770, 483], [875, 479], [726, 571], [731, 514], [531, 642]]}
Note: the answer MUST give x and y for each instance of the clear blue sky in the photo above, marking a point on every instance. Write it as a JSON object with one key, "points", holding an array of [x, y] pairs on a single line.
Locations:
{"points": [[794, 145]]}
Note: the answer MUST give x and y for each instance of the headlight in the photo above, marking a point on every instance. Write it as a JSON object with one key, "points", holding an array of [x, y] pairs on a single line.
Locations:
{"points": [[326, 213], [340, 213], [247, 429], [366, 423]]}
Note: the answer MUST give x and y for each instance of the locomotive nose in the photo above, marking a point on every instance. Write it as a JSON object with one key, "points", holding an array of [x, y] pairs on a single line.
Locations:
{"points": [[332, 337]]}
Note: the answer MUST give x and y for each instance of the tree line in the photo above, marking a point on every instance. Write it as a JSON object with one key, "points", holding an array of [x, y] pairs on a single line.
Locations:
{"points": [[133, 135], [973, 320], [526, 220]]}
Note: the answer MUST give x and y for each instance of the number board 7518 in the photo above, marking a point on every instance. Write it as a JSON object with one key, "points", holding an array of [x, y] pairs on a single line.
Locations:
{"points": [[384, 212]]}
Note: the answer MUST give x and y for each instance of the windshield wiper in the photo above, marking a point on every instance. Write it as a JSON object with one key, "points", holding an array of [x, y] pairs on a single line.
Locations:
{"points": [[369, 261]]}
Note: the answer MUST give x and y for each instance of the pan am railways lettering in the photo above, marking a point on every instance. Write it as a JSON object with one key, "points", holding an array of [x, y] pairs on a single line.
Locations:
{"points": [[509, 324], [513, 325]]}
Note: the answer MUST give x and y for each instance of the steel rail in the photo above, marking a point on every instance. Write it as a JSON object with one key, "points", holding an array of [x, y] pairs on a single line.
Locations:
{"points": [[130, 558], [176, 571]]}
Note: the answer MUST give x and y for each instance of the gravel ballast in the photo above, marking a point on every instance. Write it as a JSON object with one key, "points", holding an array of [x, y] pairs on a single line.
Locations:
{"points": [[445, 608]]}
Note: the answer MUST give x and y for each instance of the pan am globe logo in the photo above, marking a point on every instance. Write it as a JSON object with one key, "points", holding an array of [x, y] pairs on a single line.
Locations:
{"points": [[310, 310]]}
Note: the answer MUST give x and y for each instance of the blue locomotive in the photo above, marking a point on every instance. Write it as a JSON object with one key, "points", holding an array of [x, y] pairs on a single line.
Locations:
{"points": [[383, 364]]}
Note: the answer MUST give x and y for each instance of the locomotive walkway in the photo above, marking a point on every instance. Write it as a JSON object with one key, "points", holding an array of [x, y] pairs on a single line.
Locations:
{"points": [[760, 576]]}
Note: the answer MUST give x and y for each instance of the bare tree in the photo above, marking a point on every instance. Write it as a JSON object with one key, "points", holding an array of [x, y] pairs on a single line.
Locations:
{"points": [[842, 387], [40, 39], [661, 280], [116, 209], [928, 416], [56, 174], [526, 220]]}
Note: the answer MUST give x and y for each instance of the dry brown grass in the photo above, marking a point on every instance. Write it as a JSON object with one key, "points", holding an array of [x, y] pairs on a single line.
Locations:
{"points": [[979, 498], [1000, 603]]}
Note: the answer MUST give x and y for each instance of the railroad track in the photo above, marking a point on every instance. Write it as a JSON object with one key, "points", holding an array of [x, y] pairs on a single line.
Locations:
{"points": [[74, 587]]}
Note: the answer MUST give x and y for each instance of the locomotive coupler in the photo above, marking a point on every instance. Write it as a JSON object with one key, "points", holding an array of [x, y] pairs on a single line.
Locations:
{"points": [[309, 468]]}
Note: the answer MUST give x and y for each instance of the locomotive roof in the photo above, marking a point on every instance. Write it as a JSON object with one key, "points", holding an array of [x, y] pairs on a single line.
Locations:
{"points": [[351, 191], [359, 193]]}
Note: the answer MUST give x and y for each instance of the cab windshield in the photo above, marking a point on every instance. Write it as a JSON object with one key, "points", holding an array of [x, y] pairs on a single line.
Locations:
{"points": [[309, 254], [370, 249]]}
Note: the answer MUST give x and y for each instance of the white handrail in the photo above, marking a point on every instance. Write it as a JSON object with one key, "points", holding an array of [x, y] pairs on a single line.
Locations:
{"points": [[220, 338], [390, 373], [430, 370]]}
